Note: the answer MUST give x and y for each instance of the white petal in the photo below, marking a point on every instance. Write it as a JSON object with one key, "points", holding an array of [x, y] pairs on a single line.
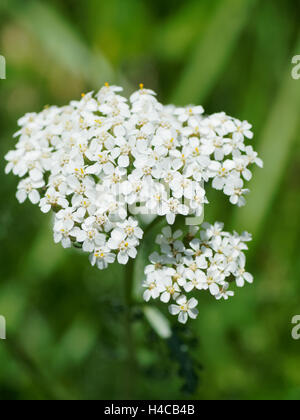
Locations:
{"points": [[66, 242], [36, 175], [192, 303], [132, 252], [46, 208], [183, 317], [193, 313], [171, 218], [174, 309], [165, 297], [147, 295], [80, 235], [123, 258], [57, 237], [181, 300], [21, 196], [240, 282], [123, 161], [248, 277], [34, 196], [218, 183], [189, 287], [88, 246], [214, 289]]}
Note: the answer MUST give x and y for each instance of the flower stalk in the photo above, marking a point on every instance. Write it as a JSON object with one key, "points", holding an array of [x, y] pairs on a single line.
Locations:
{"points": [[131, 368]]}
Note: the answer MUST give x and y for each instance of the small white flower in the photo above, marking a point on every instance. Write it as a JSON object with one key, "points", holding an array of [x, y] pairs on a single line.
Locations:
{"points": [[182, 187], [212, 231], [174, 208], [29, 189], [53, 199], [102, 257], [179, 276], [224, 292], [213, 280], [194, 269], [63, 234], [253, 156], [170, 290], [90, 237], [199, 252], [153, 287], [241, 275], [243, 129], [131, 229], [184, 309], [234, 188], [126, 247], [221, 173], [69, 217], [167, 237], [100, 221], [122, 152], [198, 282], [186, 113]]}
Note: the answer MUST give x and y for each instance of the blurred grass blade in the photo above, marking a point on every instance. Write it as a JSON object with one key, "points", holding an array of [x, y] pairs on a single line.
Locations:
{"points": [[180, 30], [76, 344], [277, 142], [59, 39], [44, 256], [212, 52], [158, 322]]}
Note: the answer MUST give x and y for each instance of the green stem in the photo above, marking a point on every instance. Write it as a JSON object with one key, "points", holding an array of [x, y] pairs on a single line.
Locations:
{"points": [[131, 368], [129, 282], [156, 222], [130, 380]]}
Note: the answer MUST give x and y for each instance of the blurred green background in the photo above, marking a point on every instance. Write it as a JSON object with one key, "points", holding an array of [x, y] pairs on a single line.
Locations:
{"points": [[67, 336]]}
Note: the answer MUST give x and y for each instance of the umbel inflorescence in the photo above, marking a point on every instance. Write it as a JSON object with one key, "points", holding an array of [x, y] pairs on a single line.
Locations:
{"points": [[99, 162]]}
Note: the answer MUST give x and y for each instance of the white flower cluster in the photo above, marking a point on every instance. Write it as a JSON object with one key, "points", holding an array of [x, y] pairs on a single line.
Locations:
{"points": [[100, 160], [208, 261]]}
